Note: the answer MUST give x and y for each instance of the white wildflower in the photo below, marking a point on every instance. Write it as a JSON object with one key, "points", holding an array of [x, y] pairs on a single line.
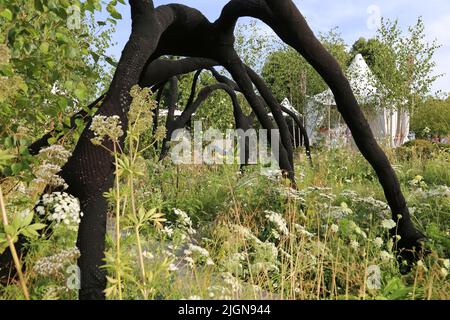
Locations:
{"points": [[198, 250], [302, 230], [378, 242], [56, 153], [421, 265], [60, 207], [53, 265], [47, 173], [167, 231], [278, 221], [334, 228], [386, 256], [103, 127], [354, 244], [446, 263], [147, 255], [388, 224], [172, 267]]}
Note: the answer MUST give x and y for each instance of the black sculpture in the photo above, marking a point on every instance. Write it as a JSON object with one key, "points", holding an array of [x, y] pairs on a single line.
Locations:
{"points": [[182, 31]]}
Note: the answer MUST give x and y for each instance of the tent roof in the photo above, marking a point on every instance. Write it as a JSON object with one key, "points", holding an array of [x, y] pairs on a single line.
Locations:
{"points": [[287, 104], [362, 82]]}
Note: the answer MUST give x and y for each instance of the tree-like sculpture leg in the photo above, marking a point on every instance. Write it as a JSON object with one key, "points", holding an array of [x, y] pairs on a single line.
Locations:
{"points": [[295, 31], [236, 68], [274, 106], [290, 25], [89, 171], [172, 99]]}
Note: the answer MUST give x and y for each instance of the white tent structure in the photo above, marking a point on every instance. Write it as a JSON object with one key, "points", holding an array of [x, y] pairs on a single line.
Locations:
{"points": [[295, 130], [388, 126]]}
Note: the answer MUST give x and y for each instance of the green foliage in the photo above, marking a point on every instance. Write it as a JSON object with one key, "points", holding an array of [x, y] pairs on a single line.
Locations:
{"points": [[403, 63], [289, 75], [432, 119], [52, 63]]}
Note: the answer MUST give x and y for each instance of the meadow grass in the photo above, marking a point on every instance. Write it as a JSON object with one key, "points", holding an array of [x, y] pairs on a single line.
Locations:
{"points": [[213, 232]]}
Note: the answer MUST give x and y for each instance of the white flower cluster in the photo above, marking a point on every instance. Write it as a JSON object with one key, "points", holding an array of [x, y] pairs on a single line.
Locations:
{"points": [[291, 193], [56, 153], [382, 208], [378, 242], [262, 256], [439, 191], [47, 173], [54, 292], [60, 207], [184, 222], [279, 223], [271, 174], [232, 282], [52, 265], [196, 254], [386, 256], [388, 224], [53, 158], [302, 231], [219, 293], [106, 127]]}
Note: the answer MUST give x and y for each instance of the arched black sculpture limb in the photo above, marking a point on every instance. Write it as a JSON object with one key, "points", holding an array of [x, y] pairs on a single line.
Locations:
{"points": [[241, 121], [266, 98], [183, 31]]}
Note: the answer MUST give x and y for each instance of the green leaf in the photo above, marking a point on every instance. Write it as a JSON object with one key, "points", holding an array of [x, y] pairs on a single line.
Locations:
{"points": [[10, 230], [81, 92], [113, 11], [6, 13], [16, 168], [38, 5], [37, 226], [111, 61], [27, 219], [5, 157], [44, 47]]}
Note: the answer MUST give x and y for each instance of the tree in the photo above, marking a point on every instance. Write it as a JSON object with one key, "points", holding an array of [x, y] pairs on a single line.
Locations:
{"points": [[432, 118], [289, 75], [52, 61], [403, 63]]}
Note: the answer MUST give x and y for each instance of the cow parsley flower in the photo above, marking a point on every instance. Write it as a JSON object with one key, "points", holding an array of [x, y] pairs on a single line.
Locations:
{"points": [[386, 256], [378, 242], [47, 173], [53, 265], [56, 153], [184, 222], [388, 224], [106, 127], [167, 231], [278, 221], [354, 244], [172, 267], [334, 228], [140, 114], [60, 207]]}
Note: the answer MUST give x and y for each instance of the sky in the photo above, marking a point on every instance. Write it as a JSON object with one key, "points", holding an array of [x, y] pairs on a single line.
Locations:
{"points": [[355, 19]]}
